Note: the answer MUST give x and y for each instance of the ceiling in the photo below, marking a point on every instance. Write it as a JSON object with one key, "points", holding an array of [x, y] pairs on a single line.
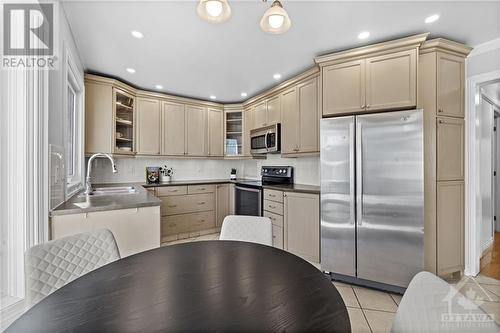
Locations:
{"points": [[190, 57]]}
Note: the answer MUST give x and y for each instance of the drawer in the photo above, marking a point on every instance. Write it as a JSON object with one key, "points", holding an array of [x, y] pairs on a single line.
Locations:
{"points": [[166, 191], [273, 207], [194, 189], [273, 195], [276, 219], [176, 224], [277, 237], [182, 204]]}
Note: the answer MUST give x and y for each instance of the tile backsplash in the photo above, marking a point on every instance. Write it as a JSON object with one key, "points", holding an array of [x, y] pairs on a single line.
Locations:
{"points": [[306, 169]]}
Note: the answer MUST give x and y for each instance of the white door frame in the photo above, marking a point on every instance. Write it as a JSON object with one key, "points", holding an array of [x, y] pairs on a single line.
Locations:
{"points": [[472, 225]]}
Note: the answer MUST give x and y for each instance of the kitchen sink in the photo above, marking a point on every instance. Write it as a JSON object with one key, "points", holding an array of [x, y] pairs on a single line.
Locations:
{"points": [[113, 190]]}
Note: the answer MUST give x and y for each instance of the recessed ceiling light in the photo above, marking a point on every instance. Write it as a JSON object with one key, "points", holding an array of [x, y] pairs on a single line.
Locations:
{"points": [[213, 97], [130, 70], [159, 86], [137, 34], [364, 35], [277, 76], [432, 18], [244, 94]]}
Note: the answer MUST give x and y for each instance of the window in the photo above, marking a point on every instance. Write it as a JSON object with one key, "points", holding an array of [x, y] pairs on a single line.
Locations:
{"points": [[73, 133]]}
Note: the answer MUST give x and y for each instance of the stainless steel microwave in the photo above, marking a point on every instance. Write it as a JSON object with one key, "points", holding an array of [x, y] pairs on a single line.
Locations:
{"points": [[265, 139]]}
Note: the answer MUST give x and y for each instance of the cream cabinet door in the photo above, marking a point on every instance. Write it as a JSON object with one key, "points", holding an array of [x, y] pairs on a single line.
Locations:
{"points": [[277, 233], [148, 126], [450, 85], [247, 127], [301, 232], [99, 118], [196, 134], [290, 122], [450, 227], [308, 123], [222, 203], [391, 81], [259, 115], [274, 110], [450, 149], [343, 88], [173, 129], [215, 132]]}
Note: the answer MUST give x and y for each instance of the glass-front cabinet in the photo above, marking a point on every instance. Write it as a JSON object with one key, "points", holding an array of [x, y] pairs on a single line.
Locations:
{"points": [[124, 106], [233, 145]]}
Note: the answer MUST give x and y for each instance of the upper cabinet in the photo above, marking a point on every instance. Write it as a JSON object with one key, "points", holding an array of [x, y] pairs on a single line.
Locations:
{"points": [[371, 78], [215, 132], [450, 85], [267, 112], [274, 110], [148, 126], [196, 130], [259, 115], [290, 122], [173, 129], [235, 124]]}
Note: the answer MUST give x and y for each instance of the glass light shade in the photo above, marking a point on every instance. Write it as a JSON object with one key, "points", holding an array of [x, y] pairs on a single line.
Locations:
{"points": [[275, 19], [214, 11]]}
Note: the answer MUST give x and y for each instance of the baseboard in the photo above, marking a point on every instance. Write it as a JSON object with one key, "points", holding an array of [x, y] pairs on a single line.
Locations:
{"points": [[486, 255]]}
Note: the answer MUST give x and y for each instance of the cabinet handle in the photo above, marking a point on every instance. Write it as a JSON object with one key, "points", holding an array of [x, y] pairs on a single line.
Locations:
{"points": [[362, 106], [271, 206], [172, 191], [201, 203], [172, 206], [273, 218], [272, 195], [274, 236], [367, 106], [440, 110], [441, 121], [202, 189]]}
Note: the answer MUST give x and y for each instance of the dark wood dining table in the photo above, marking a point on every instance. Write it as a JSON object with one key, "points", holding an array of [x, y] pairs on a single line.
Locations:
{"points": [[204, 286]]}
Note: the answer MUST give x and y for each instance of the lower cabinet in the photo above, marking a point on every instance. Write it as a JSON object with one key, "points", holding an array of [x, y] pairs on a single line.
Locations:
{"points": [[302, 226], [223, 200], [450, 227], [135, 229]]}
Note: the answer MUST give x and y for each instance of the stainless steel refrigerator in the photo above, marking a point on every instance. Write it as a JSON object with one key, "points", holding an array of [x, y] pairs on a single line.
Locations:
{"points": [[372, 198]]}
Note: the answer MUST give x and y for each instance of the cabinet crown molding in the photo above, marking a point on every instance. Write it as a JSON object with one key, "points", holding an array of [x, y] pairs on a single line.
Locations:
{"points": [[406, 42], [441, 44]]}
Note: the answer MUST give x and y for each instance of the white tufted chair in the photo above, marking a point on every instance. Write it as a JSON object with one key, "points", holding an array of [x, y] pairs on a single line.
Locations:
{"points": [[51, 265], [247, 229]]}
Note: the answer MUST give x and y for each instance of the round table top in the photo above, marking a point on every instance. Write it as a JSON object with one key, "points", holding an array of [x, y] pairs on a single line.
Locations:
{"points": [[197, 286]]}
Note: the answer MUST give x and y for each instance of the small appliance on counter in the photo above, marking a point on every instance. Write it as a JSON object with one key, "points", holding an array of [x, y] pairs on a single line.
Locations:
{"points": [[233, 174], [153, 175]]}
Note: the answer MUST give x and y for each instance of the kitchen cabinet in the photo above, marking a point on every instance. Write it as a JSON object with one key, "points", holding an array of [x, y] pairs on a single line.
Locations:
{"points": [[173, 129], [273, 209], [148, 126], [391, 81], [273, 110], [173, 205], [135, 230], [450, 227], [98, 118], [450, 85], [302, 225], [259, 115], [247, 127], [450, 149], [290, 122], [277, 233], [344, 88], [196, 130], [223, 201], [215, 132], [234, 131]]}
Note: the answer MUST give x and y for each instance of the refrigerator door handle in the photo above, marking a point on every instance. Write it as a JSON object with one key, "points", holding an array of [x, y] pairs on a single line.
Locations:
{"points": [[352, 173], [359, 174]]}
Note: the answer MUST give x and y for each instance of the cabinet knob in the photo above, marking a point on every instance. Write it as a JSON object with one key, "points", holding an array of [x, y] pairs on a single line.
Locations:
{"points": [[367, 106], [441, 121], [440, 110], [362, 106]]}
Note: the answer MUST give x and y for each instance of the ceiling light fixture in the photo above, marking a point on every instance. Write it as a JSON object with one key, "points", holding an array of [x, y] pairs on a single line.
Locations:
{"points": [[214, 11], [137, 34], [159, 86], [131, 70], [244, 94], [213, 97], [432, 18], [275, 19], [364, 35], [277, 76]]}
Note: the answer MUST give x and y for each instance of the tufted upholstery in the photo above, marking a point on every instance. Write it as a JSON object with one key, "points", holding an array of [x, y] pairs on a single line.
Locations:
{"points": [[248, 229], [51, 265]]}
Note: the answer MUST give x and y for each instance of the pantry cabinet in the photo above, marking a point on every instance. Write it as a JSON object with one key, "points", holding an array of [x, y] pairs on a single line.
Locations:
{"points": [[450, 149], [196, 130], [215, 132], [450, 85], [148, 126], [173, 129]]}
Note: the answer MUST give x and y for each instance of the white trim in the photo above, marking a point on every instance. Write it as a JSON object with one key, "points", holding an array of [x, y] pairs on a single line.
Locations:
{"points": [[486, 245], [486, 47], [472, 227]]}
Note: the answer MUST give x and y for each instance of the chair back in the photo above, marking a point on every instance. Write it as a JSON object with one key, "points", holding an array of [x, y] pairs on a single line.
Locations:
{"points": [[252, 229], [51, 265]]}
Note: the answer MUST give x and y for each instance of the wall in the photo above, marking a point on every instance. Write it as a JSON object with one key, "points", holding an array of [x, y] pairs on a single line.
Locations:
{"points": [[485, 58]]}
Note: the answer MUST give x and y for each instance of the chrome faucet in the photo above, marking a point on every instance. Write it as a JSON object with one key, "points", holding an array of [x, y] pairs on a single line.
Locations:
{"points": [[88, 184]]}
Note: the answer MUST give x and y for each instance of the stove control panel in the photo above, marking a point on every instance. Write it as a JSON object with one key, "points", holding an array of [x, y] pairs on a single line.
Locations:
{"points": [[277, 171]]}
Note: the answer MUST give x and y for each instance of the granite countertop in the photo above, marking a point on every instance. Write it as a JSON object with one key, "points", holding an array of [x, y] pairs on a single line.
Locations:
{"points": [[79, 205], [313, 189]]}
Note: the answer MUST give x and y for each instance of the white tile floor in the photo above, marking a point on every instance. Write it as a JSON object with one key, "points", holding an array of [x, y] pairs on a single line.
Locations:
{"points": [[373, 311]]}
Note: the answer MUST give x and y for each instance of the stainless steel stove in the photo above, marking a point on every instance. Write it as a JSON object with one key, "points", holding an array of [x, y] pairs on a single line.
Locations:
{"points": [[248, 193]]}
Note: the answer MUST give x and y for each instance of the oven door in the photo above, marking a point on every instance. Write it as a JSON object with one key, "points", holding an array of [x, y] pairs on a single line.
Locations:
{"points": [[248, 201]]}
